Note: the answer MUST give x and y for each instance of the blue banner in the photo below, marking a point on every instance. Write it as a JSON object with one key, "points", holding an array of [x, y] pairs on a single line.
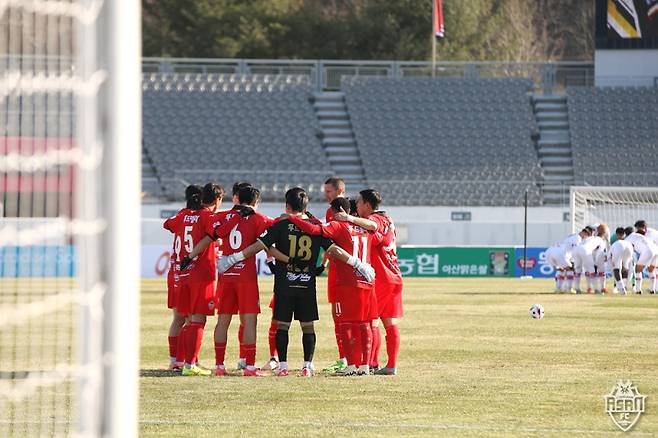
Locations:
{"points": [[536, 265], [37, 261]]}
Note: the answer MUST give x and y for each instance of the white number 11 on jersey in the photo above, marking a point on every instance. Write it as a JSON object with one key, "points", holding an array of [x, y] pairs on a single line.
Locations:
{"points": [[363, 250]]}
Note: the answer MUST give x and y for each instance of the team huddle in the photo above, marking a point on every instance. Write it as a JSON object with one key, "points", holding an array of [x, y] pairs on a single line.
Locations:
{"points": [[590, 252], [213, 271]]}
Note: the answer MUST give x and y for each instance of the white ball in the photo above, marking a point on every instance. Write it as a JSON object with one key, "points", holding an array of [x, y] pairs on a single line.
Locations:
{"points": [[537, 311]]}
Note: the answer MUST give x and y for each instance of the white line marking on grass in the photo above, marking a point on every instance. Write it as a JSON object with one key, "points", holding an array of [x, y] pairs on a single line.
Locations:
{"points": [[406, 426]]}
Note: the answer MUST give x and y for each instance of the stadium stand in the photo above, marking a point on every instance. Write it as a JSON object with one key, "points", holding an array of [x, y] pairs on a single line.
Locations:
{"points": [[446, 141], [614, 135], [228, 127]]}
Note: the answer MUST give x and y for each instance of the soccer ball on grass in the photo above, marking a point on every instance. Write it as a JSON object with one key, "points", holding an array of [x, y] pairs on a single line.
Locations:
{"points": [[537, 311]]}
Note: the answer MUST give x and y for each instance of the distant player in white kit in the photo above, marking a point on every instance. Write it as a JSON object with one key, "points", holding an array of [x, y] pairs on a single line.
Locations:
{"points": [[648, 250], [600, 259], [583, 256], [559, 256], [621, 259]]}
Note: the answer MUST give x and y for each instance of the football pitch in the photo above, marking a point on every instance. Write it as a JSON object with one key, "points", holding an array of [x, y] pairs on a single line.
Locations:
{"points": [[472, 363]]}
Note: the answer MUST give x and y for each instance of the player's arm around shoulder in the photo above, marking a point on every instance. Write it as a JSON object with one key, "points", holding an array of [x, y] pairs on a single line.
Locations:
{"points": [[366, 224]]}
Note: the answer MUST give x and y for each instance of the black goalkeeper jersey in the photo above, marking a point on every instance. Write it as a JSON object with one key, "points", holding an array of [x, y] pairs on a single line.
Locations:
{"points": [[297, 277]]}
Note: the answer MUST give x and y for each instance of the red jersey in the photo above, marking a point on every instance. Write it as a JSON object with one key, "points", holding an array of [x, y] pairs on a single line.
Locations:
{"points": [[172, 224], [384, 255], [242, 235], [331, 274], [190, 229], [353, 239], [329, 215]]}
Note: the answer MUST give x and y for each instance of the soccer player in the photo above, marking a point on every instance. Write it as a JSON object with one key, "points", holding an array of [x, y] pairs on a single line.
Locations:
{"points": [[242, 361], [334, 188], [294, 284], [600, 258], [648, 258], [621, 257], [560, 257], [584, 260], [356, 302], [197, 294], [238, 286], [175, 338], [388, 285]]}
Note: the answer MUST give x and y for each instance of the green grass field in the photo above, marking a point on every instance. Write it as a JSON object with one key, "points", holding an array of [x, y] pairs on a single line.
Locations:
{"points": [[472, 363]]}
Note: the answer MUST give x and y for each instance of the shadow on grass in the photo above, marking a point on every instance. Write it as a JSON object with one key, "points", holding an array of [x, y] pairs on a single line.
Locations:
{"points": [[158, 373]]}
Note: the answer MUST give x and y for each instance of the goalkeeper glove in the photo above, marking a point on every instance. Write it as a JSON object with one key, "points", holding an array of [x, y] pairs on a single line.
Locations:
{"points": [[364, 268], [225, 262]]}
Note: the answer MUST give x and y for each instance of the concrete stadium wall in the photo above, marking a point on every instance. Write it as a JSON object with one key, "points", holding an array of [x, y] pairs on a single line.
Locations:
{"points": [[424, 225], [626, 67]]}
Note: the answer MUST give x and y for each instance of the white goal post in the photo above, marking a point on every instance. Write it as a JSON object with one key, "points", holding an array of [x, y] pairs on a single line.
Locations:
{"points": [[615, 206], [70, 207]]}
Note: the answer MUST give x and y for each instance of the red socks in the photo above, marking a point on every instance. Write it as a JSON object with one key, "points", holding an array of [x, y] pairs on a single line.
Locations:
{"points": [[220, 353], [241, 340], [173, 343], [271, 335], [348, 341], [376, 344], [365, 332], [180, 346], [339, 340], [250, 354], [392, 345], [193, 344]]}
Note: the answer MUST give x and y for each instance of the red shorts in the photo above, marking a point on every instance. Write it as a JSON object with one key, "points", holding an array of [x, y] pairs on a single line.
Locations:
{"points": [[355, 304], [331, 285], [389, 299], [197, 298], [238, 297]]}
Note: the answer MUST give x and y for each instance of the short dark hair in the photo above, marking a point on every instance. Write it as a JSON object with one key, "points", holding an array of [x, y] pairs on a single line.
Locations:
{"points": [[372, 197], [641, 224], [353, 209], [620, 231], [339, 203], [211, 192], [297, 199], [193, 196], [336, 182], [248, 195], [588, 229], [238, 185], [628, 230]]}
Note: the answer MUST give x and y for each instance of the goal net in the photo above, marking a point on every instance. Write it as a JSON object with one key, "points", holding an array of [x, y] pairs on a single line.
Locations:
{"points": [[58, 227], [615, 206]]}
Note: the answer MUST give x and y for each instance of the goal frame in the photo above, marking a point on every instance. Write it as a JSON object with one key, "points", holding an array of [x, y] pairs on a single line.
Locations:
{"points": [[574, 190]]}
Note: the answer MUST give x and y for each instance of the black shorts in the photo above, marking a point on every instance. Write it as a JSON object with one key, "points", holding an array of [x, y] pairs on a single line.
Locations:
{"points": [[304, 307]]}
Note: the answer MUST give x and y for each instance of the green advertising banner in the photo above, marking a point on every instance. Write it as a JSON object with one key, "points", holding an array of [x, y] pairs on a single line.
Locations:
{"points": [[427, 261]]}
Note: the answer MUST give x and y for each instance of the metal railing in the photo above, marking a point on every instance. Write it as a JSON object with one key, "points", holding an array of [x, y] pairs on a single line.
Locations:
{"points": [[547, 77], [327, 74]]}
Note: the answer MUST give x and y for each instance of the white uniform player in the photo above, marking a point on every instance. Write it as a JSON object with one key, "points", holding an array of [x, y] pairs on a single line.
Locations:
{"points": [[621, 260], [648, 256], [560, 257], [584, 260], [601, 257]]}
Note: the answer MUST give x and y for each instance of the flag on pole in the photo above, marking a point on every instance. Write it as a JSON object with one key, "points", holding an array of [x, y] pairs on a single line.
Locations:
{"points": [[439, 31]]}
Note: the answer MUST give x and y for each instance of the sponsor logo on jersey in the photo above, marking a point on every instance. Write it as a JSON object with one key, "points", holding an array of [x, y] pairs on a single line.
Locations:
{"points": [[191, 219], [291, 276]]}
